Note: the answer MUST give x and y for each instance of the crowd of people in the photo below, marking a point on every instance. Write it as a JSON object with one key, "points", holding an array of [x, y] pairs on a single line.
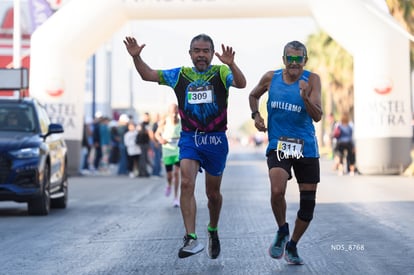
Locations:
{"points": [[135, 149], [120, 147]]}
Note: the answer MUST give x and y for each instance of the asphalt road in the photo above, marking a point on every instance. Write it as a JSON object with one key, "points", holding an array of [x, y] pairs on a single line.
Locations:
{"points": [[118, 225]]}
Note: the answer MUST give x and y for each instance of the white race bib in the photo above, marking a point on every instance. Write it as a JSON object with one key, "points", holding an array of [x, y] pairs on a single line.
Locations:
{"points": [[198, 95], [290, 147]]}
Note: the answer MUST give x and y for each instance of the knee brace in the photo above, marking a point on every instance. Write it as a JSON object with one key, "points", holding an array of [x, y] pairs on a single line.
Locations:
{"points": [[307, 205]]}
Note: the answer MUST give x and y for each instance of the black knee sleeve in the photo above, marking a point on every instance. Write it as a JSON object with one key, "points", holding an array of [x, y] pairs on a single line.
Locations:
{"points": [[307, 205]]}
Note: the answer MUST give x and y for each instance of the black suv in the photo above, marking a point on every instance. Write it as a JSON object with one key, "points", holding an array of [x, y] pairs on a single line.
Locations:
{"points": [[33, 157]]}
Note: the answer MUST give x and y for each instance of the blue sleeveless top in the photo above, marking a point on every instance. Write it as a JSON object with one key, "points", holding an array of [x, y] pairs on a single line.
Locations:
{"points": [[287, 116]]}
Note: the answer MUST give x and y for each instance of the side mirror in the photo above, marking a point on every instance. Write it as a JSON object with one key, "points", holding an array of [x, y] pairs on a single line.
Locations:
{"points": [[54, 128]]}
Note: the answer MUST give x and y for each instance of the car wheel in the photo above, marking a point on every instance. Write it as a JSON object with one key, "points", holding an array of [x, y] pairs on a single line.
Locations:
{"points": [[62, 202], [41, 205]]}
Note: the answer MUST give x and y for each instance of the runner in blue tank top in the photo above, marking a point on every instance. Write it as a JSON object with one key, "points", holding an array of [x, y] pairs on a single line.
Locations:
{"points": [[202, 93], [294, 103]]}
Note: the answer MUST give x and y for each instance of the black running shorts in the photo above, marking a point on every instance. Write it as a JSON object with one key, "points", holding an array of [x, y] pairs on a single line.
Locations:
{"points": [[306, 169]]}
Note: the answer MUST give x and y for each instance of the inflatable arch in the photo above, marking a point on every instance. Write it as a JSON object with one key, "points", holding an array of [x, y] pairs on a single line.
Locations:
{"points": [[62, 45]]}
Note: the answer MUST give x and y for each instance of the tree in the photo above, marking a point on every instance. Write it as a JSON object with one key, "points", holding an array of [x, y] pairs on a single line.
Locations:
{"points": [[403, 12], [335, 65]]}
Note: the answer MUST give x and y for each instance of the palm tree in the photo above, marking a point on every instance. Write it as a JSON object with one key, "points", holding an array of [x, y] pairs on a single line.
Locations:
{"points": [[403, 12], [335, 65]]}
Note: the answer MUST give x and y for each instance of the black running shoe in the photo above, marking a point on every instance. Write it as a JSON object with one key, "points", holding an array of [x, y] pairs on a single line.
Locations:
{"points": [[213, 244]]}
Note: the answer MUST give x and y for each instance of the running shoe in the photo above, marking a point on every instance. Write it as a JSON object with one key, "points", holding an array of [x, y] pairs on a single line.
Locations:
{"points": [[191, 246], [277, 248], [291, 255], [213, 244], [167, 190], [176, 203]]}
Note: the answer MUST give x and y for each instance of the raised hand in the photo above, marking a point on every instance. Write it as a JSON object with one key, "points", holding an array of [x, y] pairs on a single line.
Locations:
{"points": [[132, 46], [227, 57]]}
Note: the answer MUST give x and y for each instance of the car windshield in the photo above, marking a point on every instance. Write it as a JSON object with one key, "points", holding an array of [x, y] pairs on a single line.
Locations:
{"points": [[16, 117]]}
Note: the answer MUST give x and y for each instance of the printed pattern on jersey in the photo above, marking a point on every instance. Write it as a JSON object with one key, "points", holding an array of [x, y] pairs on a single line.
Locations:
{"points": [[202, 97]]}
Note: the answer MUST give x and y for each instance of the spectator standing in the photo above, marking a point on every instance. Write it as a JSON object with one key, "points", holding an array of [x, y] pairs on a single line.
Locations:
{"points": [[86, 148], [105, 135], [144, 142], [97, 146], [345, 145], [133, 149], [115, 154], [123, 121], [156, 149]]}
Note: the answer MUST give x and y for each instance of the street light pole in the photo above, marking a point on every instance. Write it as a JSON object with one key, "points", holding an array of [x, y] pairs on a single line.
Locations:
{"points": [[17, 35]]}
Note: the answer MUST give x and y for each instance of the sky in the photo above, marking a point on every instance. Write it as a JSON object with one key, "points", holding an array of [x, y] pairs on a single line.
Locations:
{"points": [[258, 44]]}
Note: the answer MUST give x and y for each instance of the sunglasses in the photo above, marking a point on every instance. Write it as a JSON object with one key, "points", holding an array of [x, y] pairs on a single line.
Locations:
{"points": [[294, 58]]}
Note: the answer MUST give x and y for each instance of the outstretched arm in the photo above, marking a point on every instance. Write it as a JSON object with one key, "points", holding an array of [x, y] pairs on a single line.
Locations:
{"points": [[143, 69], [227, 57]]}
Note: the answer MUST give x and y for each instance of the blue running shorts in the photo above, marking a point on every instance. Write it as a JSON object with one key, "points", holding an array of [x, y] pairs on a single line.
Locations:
{"points": [[209, 149]]}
